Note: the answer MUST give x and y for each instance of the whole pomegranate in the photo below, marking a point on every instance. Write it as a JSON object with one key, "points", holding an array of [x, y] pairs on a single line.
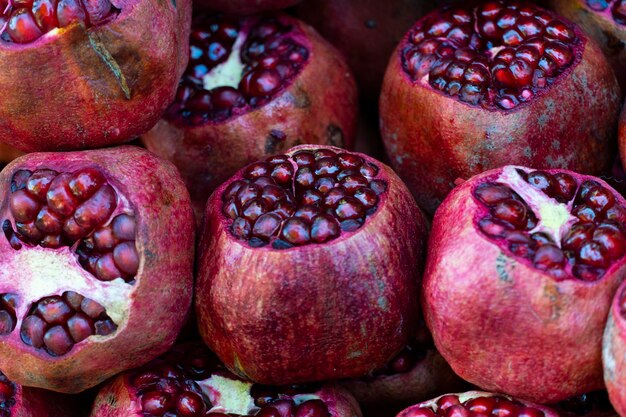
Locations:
{"points": [[605, 22], [472, 88], [614, 350], [88, 73], [90, 241], [541, 253], [190, 382], [477, 403], [245, 7], [254, 87], [308, 267], [365, 31]]}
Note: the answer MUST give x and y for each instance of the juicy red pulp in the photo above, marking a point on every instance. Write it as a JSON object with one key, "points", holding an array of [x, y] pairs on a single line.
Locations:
{"points": [[310, 197], [496, 55], [617, 8], [23, 21], [271, 56], [168, 387], [7, 396], [591, 245], [451, 406], [403, 362]]}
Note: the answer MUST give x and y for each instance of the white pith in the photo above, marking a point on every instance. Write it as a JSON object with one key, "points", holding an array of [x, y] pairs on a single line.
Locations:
{"points": [[230, 72], [553, 218]]}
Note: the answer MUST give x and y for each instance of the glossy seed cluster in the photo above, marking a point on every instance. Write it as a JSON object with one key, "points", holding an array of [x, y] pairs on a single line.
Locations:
{"points": [[53, 210], [24, 21], [7, 393], [310, 197], [451, 406], [589, 247], [56, 323], [617, 8], [271, 58], [496, 55]]}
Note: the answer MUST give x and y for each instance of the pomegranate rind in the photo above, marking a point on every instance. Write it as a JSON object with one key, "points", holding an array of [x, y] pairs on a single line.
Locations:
{"points": [[507, 326], [34, 402], [117, 79], [433, 139], [431, 376], [319, 107], [464, 396], [621, 135], [154, 317], [614, 355], [600, 26], [340, 309]]}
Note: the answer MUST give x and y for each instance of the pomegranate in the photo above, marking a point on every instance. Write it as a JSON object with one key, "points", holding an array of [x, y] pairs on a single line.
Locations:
{"points": [[605, 22], [246, 7], [477, 403], [90, 241], [622, 137], [541, 253], [613, 352], [190, 382], [365, 31], [8, 153], [254, 87], [308, 267], [116, 63], [472, 88]]}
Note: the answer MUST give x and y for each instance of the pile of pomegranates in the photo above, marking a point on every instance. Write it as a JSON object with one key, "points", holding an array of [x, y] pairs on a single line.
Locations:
{"points": [[312, 208]]}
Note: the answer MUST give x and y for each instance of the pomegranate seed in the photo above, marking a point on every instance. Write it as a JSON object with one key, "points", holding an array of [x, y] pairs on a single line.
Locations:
{"points": [[447, 401], [126, 258], [32, 331], [548, 257], [481, 405], [80, 327], [57, 341], [511, 211], [504, 408], [312, 408], [491, 194], [421, 412], [296, 231], [54, 310], [592, 254], [70, 11], [156, 403]]}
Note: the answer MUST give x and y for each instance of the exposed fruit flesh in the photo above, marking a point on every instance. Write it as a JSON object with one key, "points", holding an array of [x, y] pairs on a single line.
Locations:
{"points": [[616, 8], [310, 197], [235, 66], [452, 405], [496, 55], [552, 221], [24, 21]]}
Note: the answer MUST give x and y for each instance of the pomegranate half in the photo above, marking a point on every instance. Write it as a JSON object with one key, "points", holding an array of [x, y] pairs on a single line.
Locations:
{"points": [[190, 382], [472, 88], [308, 267], [254, 87], [614, 351], [90, 241], [541, 254]]}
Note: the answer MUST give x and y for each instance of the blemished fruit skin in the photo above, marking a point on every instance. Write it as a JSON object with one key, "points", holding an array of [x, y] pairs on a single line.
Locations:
{"points": [[148, 311], [613, 353], [323, 311], [508, 326], [433, 140], [98, 86]]}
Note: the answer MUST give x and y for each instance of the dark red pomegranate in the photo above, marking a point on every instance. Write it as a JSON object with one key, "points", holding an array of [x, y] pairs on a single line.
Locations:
{"points": [[90, 241], [245, 7], [477, 403], [254, 87], [605, 22], [541, 253], [614, 352], [190, 382], [82, 74], [308, 267], [475, 88], [365, 31]]}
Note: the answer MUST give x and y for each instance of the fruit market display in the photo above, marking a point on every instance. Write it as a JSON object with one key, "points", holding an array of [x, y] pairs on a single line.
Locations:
{"points": [[312, 208]]}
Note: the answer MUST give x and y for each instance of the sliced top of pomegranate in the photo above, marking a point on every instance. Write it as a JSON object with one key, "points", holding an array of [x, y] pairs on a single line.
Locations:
{"points": [[496, 55], [24, 21], [237, 65], [612, 9], [568, 225], [308, 196]]}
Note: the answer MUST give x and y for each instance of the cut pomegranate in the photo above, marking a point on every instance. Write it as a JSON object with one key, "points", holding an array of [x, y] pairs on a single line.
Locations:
{"points": [[254, 86], [472, 88], [331, 215], [83, 266], [190, 382], [542, 246], [116, 62]]}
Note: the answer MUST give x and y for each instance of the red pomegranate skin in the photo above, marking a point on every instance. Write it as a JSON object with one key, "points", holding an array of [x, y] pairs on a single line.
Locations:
{"points": [[551, 329], [613, 358], [433, 140], [621, 134], [148, 318], [246, 7], [314, 312], [319, 106], [602, 27], [8, 153], [116, 78], [365, 31]]}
